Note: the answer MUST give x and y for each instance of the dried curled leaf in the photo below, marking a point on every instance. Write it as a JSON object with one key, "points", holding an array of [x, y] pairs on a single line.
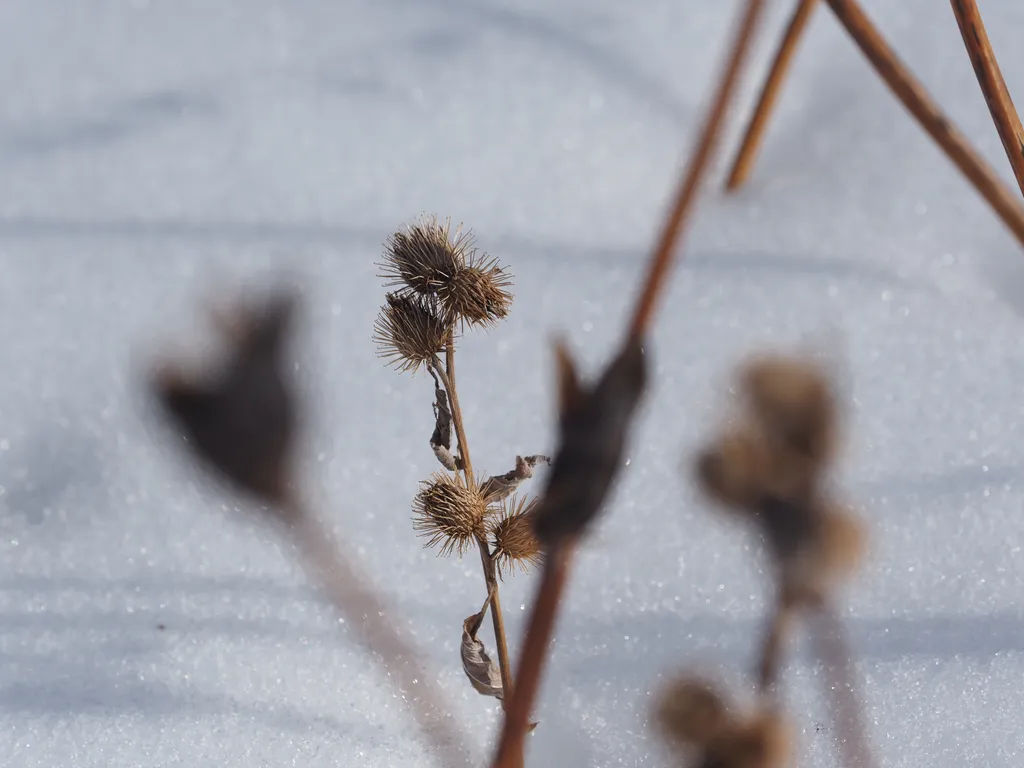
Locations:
{"points": [[480, 668], [441, 438], [594, 426], [499, 487], [241, 421]]}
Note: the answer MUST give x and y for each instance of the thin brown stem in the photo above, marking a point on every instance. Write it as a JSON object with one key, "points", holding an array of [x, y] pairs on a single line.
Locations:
{"points": [[828, 636], [993, 87], [923, 107], [773, 646], [540, 627], [700, 160], [497, 619], [447, 376], [555, 574], [754, 134], [328, 564]]}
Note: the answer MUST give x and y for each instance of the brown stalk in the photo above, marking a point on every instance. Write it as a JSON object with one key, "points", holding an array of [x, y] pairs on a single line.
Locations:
{"points": [[685, 196], [533, 655], [828, 637], [754, 134], [779, 623], [241, 422], [447, 376], [924, 109], [326, 562], [541, 622], [993, 87]]}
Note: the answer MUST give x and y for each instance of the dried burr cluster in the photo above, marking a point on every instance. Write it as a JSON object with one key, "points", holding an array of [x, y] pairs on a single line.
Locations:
{"points": [[441, 286], [768, 467]]}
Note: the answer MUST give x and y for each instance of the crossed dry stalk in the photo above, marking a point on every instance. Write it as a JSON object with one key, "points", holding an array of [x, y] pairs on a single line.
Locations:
{"points": [[912, 94]]}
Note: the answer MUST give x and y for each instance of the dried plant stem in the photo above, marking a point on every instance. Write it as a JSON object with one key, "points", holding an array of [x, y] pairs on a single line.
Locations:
{"points": [[554, 577], [993, 87], [769, 95], [773, 645], [497, 618], [914, 97], [540, 627], [700, 160], [829, 638], [447, 376], [327, 563]]}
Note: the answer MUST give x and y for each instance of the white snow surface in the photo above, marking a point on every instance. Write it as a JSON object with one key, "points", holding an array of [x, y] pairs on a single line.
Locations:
{"points": [[152, 152]]}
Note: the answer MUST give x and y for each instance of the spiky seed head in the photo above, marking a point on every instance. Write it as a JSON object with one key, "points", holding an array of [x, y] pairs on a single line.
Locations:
{"points": [[425, 258], [690, 713], [449, 513], [478, 293], [409, 331], [794, 401], [513, 538]]}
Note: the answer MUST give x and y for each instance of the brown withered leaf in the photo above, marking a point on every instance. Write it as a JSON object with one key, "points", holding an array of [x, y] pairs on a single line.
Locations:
{"points": [[480, 668], [594, 426], [441, 438], [241, 420], [500, 487]]}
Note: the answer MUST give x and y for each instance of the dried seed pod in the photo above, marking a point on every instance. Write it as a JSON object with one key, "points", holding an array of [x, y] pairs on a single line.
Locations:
{"points": [[690, 712], [242, 420], [698, 722], [733, 469], [409, 331], [794, 401], [513, 537], [760, 741], [424, 258], [477, 294], [594, 426], [824, 549], [449, 513], [499, 487]]}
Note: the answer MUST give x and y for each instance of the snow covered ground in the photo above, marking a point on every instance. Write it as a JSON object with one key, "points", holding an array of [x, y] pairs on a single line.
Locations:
{"points": [[149, 148]]}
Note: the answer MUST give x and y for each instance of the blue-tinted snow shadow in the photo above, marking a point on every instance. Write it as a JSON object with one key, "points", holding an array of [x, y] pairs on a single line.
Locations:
{"points": [[102, 661], [53, 462], [116, 676], [568, 38], [105, 125], [511, 247]]}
